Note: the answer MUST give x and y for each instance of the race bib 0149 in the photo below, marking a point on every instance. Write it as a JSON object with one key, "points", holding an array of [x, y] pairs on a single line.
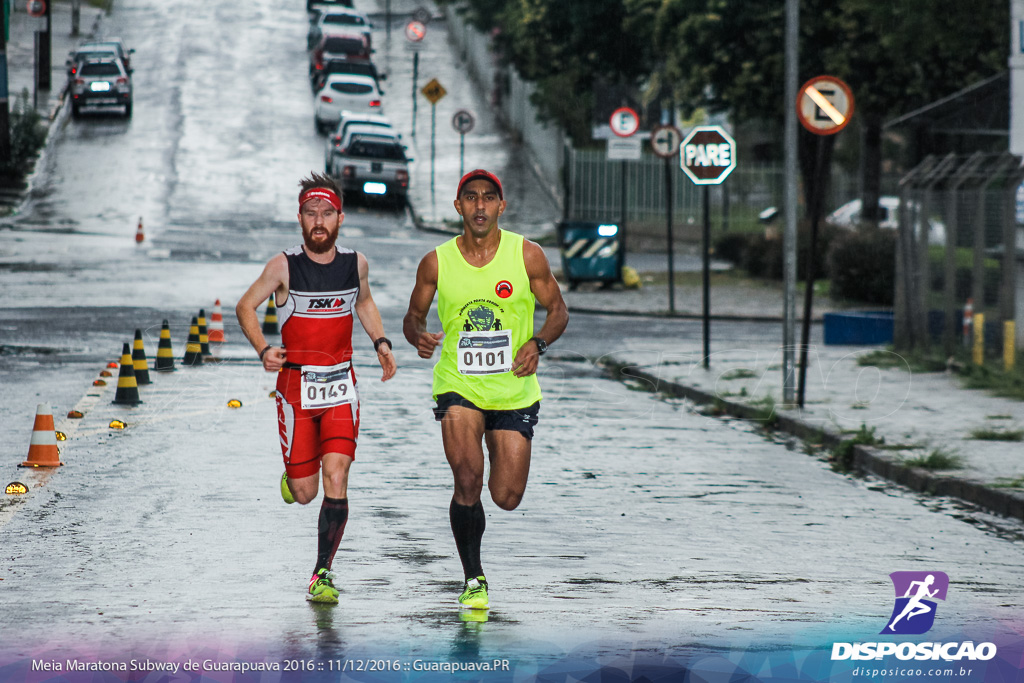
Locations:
{"points": [[326, 386]]}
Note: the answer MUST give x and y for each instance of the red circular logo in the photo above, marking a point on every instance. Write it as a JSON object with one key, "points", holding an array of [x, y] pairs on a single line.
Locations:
{"points": [[503, 289]]}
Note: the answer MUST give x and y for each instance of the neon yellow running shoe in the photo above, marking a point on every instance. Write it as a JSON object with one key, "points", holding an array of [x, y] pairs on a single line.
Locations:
{"points": [[286, 492], [321, 588], [475, 594]]}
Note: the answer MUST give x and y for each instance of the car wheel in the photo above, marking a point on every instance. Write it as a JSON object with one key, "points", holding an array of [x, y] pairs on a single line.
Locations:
{"points": [[128, 110], [76, 111]]}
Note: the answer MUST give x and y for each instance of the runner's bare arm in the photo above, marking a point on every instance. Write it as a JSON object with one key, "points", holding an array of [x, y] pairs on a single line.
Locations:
{"points": [[545, 288], [369, 316], [415, 324], [274, 278]]}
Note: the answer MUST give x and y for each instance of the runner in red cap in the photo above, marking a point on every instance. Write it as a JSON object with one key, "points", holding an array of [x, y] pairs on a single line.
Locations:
{"points": [[487, 281], [317, 286]]}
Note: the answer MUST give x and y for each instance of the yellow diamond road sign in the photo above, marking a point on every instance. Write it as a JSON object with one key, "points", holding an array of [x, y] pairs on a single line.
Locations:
{"points": [[434, 91]]}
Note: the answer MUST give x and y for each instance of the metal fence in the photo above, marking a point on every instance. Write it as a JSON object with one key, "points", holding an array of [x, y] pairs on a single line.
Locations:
{"points": [[957, 243], [634, 191]]}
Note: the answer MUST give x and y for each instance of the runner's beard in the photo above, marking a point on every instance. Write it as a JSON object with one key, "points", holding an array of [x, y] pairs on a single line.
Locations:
{"points": [[320, 247]]}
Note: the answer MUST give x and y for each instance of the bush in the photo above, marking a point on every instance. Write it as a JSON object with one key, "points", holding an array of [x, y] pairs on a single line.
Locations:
{"points": [[763, 257], [863, 266], [731, 246], [28, 135]]}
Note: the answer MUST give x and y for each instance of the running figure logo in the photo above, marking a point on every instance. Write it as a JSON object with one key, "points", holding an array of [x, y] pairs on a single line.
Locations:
{"points": [[914, 612]]}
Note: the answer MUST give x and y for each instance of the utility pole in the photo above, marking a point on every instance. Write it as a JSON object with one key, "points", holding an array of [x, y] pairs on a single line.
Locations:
{"points": [[789, 202], [5, 120], [44, 49], [76, 16], [1016, 64]]}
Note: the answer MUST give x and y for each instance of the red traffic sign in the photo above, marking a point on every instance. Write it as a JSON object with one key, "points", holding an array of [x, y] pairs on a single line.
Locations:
{"points": [[624, 122], [824, 105], [665, 141], [36, 8], [414, 31], [708, 155]]}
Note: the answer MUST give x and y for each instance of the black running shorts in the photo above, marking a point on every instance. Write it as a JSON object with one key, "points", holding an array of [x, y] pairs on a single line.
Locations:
{"points": [[520, 420]]}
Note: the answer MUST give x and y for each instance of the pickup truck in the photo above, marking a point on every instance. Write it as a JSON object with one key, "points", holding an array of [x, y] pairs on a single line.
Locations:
{"points": [[373, 165]]}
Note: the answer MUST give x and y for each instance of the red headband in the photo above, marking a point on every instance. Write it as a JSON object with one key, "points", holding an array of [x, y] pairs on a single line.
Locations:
{"points": [[321, 193]]}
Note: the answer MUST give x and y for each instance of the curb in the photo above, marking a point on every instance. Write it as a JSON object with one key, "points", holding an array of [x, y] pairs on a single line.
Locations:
{"points": [[865, 458]]}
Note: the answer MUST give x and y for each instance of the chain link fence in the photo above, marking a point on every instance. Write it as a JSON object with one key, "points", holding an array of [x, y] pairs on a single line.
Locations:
{"points": [[956, 250]]}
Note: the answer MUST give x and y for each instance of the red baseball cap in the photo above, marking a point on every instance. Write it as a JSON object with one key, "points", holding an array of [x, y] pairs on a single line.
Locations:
{"points": [[479, 174]]}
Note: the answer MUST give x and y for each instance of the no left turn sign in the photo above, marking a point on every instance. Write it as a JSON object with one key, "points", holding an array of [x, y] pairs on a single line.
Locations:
{"points": [[624, 122], [463, 121], [665, 141]]}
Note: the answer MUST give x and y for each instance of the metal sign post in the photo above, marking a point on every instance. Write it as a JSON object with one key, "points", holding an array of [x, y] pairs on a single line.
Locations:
{"points": [[707, 156], [462, 122], [433, 91], [624, 123], [824, 107], [665, 143]]}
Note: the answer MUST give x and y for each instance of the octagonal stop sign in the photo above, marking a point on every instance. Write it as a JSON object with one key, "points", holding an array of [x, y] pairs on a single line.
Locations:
{"points": [[707, 155]]}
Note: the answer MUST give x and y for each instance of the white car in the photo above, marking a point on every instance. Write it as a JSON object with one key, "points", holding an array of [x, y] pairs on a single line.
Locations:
{"points": [[349, 119], [848, 216], [328, 20], [343, 92]]}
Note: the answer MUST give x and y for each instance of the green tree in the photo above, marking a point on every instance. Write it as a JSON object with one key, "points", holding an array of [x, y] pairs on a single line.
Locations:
{"points": [[728, 55], [563, 46]]}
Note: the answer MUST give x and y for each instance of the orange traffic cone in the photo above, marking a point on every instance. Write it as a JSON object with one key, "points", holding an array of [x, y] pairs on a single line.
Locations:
{"points": [[204, 336], [140, 234], [127, 388], [42, 450], [217, 323], [193, 352], [139, 360], [270, 319]]}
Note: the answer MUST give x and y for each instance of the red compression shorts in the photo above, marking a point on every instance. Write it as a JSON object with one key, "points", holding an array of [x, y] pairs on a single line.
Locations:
{"points": [[306, 435]]}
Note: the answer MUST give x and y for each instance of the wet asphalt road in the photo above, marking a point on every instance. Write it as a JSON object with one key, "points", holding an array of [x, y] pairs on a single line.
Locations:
{"points": [[646, 526]]}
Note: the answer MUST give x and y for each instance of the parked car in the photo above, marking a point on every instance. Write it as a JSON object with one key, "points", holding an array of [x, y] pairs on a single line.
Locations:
{"points": [[345, 92], [340, 20], [849, 216], [118, 45], [348, 120], [101, 83], [351, 46], [373, 165], [88, 52], [360, 67], [339, 3]]}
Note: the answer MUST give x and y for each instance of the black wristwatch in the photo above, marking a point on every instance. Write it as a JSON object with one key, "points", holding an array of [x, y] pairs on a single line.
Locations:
{"points": [[542, 346], [382, 340]]}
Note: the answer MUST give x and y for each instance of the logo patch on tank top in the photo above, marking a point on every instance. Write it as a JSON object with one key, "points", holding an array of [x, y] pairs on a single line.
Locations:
{"points": [[503, 289]]}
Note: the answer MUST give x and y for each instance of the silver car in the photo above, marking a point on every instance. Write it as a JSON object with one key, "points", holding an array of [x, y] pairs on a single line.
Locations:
{"points": [[101, 83]]}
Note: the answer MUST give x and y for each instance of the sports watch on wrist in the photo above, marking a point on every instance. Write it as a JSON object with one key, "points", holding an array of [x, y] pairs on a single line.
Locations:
{"points": [[542, 346]]}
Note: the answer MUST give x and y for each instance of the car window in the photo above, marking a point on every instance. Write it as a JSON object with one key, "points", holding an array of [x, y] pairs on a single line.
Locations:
{"points": [[347, 88], [94, 54], [376, 150], [100, 69], [344, 45], [346, 19], [359, 68]]}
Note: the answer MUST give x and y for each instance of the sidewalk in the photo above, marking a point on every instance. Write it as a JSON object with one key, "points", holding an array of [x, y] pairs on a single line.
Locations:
{"points": [[914, 413], [21, 67]]}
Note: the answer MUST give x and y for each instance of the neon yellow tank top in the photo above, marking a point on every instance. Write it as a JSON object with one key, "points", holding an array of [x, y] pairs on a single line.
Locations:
{"points": [[486, 314]]}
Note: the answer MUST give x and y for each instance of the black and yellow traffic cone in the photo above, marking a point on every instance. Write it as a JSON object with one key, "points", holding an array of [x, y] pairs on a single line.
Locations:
{"points": [[164, 351], [127, 393], [139, 360], [270, 319], [193, 352], [204, 334]]}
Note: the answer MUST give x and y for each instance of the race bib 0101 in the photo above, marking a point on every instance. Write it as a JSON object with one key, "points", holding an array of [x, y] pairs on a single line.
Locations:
{"points": [[326, 386], [485, 353]]}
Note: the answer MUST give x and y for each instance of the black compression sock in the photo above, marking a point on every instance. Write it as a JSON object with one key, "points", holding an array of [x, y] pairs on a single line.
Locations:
{"points": [[330, 528], [468, 524]]}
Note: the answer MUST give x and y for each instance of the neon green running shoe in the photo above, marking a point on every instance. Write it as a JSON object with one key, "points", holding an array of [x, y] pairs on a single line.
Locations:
{"points": [[286, 492], [321, 588], [475, 594]]}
